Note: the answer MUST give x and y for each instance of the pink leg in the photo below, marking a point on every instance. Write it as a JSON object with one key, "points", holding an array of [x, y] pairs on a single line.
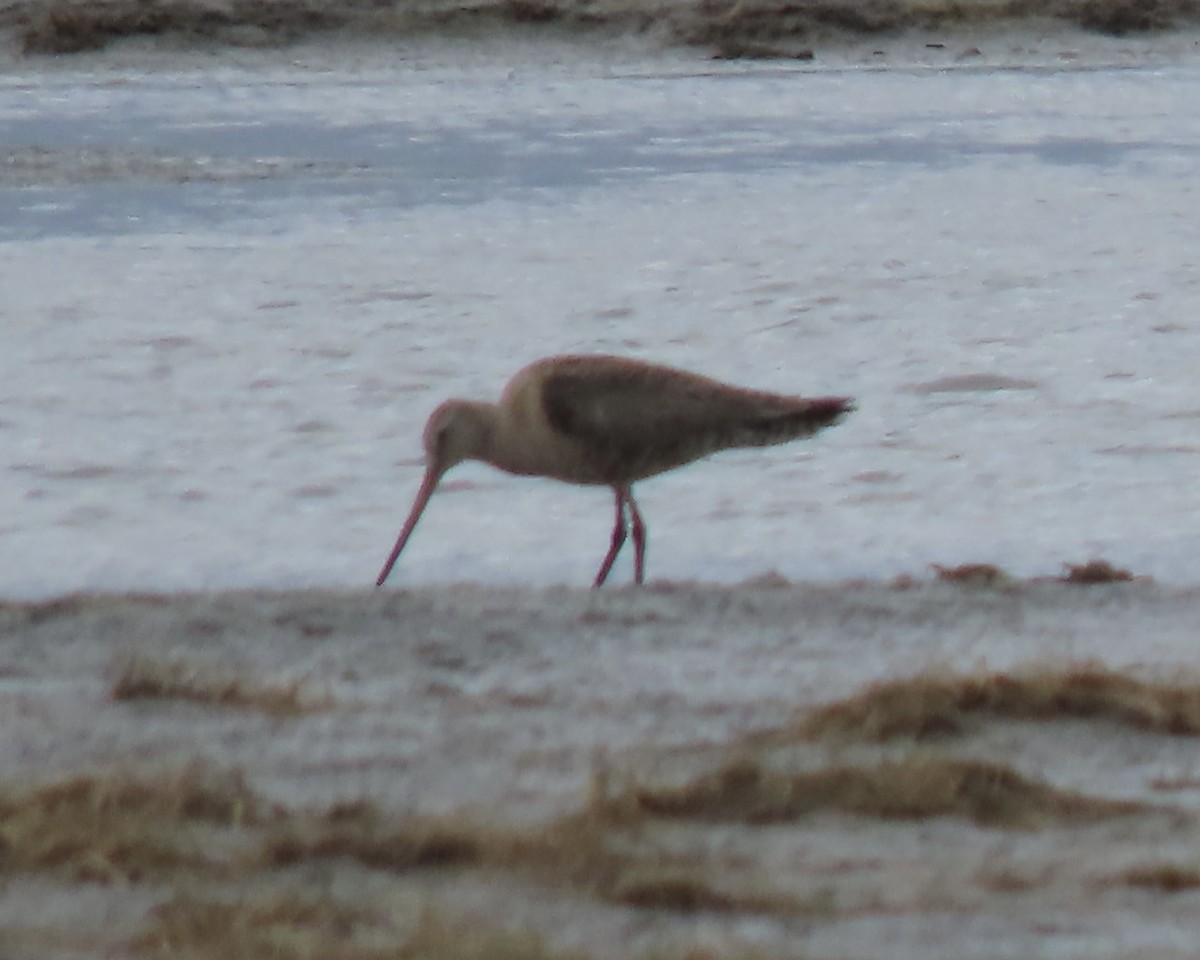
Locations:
{"points": [[618, 538], [639, 539]]}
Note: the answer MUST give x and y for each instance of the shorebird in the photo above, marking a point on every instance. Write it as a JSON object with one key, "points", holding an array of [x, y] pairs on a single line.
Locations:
{"points": [[608, 421]]}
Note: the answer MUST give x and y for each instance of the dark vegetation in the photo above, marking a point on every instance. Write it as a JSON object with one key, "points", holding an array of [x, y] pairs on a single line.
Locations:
{"points": [[240, 876], [728, 27], [930, 705], [152, 678]]}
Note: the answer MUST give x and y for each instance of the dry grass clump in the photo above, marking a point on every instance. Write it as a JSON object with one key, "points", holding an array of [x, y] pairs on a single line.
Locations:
{"points": [[731, 24], [1093, 572], [690, 889], [1162, 878], [588, 851], [290, 926], [722, 22], [14, 613], [197, 821], [989, 575], [1009, 880], [582, 851], [359, 832], [142, 677], [668, 888], [1121, 17], [931, 704], [734, 28], [283, 926], [195, 828], [129, 826], [104, 828], [913, 788], [574, 849], [975, 575], [75, 26]]}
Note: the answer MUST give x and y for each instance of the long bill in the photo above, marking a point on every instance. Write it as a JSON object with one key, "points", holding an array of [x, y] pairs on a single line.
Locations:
{"points": [[432, 475]]}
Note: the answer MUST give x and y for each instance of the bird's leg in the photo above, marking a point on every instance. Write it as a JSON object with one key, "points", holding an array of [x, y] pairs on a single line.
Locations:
{"points": [[618, 538], [639, 538]]}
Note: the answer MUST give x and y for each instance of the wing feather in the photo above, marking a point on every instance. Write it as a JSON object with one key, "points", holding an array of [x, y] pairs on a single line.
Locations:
{"points": [[632, 420]]}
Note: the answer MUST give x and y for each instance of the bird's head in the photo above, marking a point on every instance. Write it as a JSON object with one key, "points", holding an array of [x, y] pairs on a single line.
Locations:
{"points": [[456, 431]]}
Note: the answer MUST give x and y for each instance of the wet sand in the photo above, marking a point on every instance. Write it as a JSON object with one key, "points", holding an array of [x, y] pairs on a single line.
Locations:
{"points": [[608, 774]]}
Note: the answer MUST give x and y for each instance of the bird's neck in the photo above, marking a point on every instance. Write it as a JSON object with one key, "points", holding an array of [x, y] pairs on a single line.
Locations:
{"points": [[504, 439]]}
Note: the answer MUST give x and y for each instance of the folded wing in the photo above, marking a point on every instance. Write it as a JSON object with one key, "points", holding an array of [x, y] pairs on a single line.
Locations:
{"points": [[635, 420]]}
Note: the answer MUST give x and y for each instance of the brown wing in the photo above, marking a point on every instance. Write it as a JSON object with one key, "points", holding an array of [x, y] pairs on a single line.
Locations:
{"points": [[633, 420]]}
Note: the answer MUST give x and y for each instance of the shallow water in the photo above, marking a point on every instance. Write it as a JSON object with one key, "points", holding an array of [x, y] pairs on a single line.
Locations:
{"points": [[232, 296]]}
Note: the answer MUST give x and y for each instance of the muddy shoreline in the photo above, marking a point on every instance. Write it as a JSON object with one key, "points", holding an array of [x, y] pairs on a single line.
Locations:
{"points": [[848, 768], [723, 28]]}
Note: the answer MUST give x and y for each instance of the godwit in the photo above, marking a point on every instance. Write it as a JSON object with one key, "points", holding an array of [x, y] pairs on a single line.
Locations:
{"points": [[608, 421]]}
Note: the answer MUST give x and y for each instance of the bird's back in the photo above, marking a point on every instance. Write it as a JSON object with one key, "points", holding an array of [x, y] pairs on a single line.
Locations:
{"points": [[631, 420]]}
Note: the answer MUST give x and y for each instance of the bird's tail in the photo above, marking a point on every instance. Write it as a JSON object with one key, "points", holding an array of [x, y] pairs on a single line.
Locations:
{"points": [[796, 419]]}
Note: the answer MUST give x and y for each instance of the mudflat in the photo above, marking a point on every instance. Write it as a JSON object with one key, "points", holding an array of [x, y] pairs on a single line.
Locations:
{"points": [[953, 768]]}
